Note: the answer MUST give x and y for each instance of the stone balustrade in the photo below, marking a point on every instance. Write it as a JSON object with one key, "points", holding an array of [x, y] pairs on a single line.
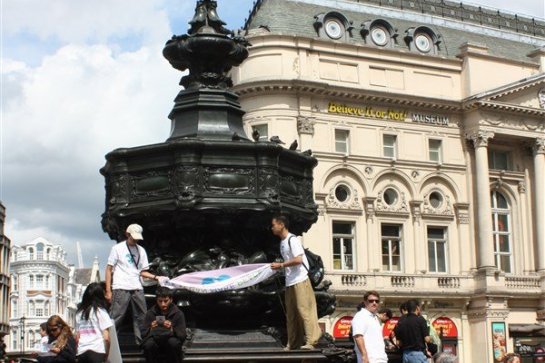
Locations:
{"points": [[426, 283]]}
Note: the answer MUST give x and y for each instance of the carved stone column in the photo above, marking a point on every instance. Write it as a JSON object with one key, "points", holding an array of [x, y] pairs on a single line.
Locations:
{"points": [[372, 251], [420, 244], [539, 182], [485, 241]]}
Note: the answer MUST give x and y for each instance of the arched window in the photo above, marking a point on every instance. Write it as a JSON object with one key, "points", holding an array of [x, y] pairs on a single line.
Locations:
{"points": [[501, 222], [40, 251], [30, 253]]}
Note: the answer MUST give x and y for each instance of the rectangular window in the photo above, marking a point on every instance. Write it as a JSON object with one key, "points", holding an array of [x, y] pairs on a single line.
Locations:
{"points": [[341, 141], [437, 249], [39, 281], [499, 160], [434, 147], [343, 246], [389, 146], [501, 231], [39, 308], [391, 247], [31, 282], [263, 131]]}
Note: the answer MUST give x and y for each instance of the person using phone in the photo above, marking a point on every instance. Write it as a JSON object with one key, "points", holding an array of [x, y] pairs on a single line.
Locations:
{"points": [[164, 329]]}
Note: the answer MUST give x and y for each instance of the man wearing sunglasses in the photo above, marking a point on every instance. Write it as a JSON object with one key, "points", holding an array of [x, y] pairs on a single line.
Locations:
{"points": [[367, 331]]}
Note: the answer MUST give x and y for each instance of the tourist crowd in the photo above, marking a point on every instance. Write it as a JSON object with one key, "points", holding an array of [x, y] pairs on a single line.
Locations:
{"points": [[412, 336], [159, 331]]}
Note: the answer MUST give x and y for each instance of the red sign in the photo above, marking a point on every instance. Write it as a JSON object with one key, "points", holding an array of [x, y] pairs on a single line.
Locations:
{"points": [[445, 327], [389, 326], [342, 327]]}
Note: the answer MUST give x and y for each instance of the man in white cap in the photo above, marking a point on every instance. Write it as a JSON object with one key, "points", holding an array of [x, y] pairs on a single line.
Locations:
{"points": [[126, 263]]}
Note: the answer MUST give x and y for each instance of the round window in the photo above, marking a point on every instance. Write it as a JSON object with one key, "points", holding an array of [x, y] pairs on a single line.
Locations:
{"points": [[379, 35], [423, 42], [342, 193], [333, 28], [390, 196], [436, 199]]}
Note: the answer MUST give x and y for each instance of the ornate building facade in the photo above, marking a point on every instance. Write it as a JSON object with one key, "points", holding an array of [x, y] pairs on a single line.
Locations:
{"points": [[5, 246], [428, 121], [78, 280], [39, 280]]}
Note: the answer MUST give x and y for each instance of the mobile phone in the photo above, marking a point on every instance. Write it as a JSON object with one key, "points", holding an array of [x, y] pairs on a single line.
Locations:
{"points": [[160, 319]]}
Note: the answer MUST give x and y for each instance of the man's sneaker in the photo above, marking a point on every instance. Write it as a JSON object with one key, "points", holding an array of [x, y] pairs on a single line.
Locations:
{"points": [[308, 347]]}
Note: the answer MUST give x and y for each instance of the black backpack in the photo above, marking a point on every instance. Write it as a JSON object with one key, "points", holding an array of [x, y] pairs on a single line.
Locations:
{"points": [[315, 268]]}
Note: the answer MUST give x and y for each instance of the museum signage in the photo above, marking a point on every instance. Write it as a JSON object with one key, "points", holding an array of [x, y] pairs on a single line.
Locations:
{"points": [[386, 114]]}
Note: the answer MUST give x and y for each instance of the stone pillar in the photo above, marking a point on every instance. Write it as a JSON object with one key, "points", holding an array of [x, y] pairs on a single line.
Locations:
{"points": [[539, 182], [485, 241]]}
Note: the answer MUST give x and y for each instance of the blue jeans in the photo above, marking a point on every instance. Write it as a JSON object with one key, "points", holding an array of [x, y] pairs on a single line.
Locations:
{"points": [[414, 356]]}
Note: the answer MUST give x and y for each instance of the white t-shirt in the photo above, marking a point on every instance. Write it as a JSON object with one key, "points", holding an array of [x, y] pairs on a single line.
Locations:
{"points": [[298, 273], [90, 331], [126, 274], [367, 324]]}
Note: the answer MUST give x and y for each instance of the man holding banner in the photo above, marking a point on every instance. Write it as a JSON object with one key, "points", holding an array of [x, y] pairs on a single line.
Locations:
{"points": [[301, 311], [126, 263]]}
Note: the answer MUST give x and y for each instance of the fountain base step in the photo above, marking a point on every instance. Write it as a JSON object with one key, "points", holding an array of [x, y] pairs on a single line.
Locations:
{"points": [[235, 346]]}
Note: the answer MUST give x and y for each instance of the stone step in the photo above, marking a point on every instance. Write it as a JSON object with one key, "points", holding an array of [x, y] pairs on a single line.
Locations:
{"points": [[232, 355]]}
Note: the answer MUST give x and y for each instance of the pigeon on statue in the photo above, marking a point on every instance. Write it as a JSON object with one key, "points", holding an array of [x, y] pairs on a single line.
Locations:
{"points": [[276, 140], [294, 145], [307, 152]]}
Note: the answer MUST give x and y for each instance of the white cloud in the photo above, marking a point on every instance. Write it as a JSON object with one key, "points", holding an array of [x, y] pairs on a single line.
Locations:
{"points": [[79, 104], [82, 21]]}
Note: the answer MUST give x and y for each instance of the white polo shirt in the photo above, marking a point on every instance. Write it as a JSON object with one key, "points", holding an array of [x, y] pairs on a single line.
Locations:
{"points": [[367, 324]]}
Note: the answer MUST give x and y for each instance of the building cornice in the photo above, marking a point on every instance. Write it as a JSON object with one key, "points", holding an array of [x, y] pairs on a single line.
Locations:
{"points": [[325, 89], [519, 86], [506, 107]]}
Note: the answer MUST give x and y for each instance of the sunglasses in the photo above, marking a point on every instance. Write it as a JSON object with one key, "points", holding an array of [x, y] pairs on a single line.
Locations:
{"points": [[371, 301]]}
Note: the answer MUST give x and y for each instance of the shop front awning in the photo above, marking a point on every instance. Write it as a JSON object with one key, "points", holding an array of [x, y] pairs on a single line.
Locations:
{"points": [[526, 330]]}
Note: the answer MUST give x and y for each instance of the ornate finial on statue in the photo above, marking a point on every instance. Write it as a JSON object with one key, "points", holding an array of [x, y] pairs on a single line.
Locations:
{"points": [[209, 50], [206, 19]]}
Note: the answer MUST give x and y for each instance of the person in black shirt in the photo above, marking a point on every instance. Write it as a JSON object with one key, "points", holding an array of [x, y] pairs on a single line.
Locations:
{"points": [[164, 329], [412, 334]]}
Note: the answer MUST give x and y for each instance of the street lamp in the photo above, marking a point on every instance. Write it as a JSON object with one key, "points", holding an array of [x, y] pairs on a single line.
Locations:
{"points": [[22, 326]]}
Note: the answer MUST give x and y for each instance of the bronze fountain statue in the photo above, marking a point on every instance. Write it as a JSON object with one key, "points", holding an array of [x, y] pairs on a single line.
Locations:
{"points": [[206, 195]]}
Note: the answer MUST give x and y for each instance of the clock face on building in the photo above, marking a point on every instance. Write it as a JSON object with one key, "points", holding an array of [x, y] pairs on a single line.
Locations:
{"points": [[379, 35], [422, 42], [333, 28]]}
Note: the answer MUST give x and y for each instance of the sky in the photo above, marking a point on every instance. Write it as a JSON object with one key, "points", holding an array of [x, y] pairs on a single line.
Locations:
{"points": [[82, 78]]}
